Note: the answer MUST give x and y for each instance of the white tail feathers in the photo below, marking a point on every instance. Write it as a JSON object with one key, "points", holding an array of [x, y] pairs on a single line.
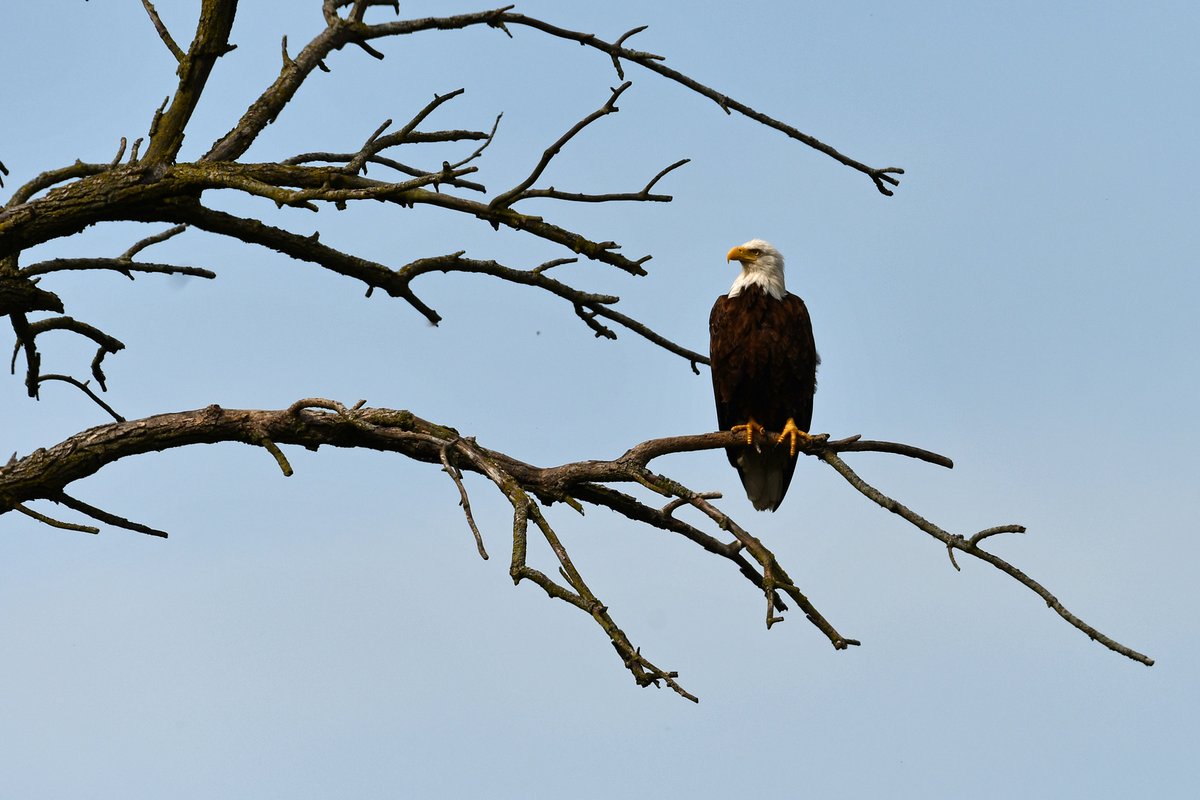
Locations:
{"points": [[764, 475]]}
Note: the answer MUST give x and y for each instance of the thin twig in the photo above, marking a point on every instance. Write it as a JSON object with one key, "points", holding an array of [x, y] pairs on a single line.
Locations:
{"points": [[122, 266], [643, 196], [55, 523], [971, 548], [280, 459], [104, 516], [506, 199], [163, 33], [142, 244], [86, 389], [977, 538], [106, 344], [881, 177], [464, 500]]}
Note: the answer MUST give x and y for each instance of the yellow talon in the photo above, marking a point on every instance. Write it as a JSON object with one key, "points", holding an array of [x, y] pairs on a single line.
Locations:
{"points": [[751, 428], [792, 433]]}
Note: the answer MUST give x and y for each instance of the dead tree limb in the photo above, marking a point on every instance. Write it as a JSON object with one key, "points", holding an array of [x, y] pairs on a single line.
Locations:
{"points": [[160, 185], [313, 422]]}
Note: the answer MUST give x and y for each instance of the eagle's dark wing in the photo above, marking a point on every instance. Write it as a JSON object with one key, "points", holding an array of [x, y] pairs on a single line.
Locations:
{"points": [[764, 366]]}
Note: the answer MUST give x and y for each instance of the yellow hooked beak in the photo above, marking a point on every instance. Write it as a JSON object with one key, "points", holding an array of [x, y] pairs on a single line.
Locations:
{"points": [[741, 255]]}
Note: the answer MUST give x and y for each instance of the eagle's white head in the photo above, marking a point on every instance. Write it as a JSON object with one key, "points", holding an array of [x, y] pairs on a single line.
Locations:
{"points": [[762, 266]]}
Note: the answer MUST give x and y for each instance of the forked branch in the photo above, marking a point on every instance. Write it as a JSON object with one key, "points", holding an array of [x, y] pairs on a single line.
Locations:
{"points": [[154, 187], [310, 423], [517, 192], [159, 187]]}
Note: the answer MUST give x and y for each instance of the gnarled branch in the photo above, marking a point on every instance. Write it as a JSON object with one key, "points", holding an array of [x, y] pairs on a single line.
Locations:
{"points": [[158, 187], [313, 422]]}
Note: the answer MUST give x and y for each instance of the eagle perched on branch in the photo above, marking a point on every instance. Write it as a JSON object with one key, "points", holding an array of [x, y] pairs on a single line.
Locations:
{"points": [[764, 371]]}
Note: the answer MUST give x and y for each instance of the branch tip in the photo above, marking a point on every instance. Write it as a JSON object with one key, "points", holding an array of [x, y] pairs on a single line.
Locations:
{"points": [[55, 523], [280, 458]]}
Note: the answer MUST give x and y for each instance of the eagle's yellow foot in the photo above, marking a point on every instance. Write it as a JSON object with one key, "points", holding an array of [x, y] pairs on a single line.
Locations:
{"points": [[792, 434], [751, 429]]}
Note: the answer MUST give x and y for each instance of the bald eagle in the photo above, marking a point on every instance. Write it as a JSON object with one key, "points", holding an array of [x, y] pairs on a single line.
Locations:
{"points": [[764, 371]]}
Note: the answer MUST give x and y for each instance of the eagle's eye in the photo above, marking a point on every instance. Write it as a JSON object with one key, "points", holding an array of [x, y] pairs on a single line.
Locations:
{"points": [[754, 251]]}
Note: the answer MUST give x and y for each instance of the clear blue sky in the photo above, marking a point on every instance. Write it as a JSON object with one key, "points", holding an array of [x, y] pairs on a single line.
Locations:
{"points": [[1024, 304]]}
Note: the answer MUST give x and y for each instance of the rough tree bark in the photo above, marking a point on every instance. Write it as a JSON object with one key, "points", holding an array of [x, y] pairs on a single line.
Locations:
{"points": [[153, 185]]}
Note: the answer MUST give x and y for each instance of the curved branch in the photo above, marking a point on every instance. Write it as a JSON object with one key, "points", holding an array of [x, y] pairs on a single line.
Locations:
{"points": [[83, 387], [49, 178], [156, 189], [580, 197], [506, 199], [397, 282], [26, 340], [501, 18], [147, 194], [971, 547], [341, 32], [597, 305], [105, 344], [310, 423], [879, 175], [152, 239]]}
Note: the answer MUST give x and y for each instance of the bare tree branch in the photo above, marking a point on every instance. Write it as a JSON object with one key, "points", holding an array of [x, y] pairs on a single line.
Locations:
{"points": [[152, 188], [342, 31], [85, 388], [465, 501], [163, 33], [879, 176], [314, 422], [124, 194], [506, 199], [501, 18], [104, 516], [106, 344], [158, 187], [971, 547], [49, 178], [153, 239], [54, 523], [580, 197], [121, 265], [210, 43]]}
